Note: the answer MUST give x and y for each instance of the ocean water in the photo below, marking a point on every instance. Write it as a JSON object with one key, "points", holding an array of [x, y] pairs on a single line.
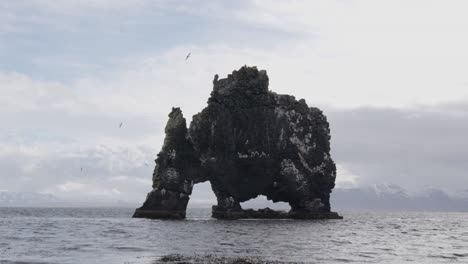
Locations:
{"points": [[110, 235]]}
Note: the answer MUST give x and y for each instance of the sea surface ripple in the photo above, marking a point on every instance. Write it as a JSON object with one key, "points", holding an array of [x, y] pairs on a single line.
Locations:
{"points": [[110, 235]]}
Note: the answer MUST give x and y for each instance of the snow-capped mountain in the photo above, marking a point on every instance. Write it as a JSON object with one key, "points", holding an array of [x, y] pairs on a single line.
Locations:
{"points": [[394, 197], [27, 199]]}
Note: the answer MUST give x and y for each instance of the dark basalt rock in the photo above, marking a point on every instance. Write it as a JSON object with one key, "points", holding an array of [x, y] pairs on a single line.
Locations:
{"points": [[247, 142], [268, 213], [214, 259]]}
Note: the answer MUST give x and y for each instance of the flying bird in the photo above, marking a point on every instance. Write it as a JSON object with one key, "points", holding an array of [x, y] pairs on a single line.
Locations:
{"points": [[188, 55], [81, 169], [121, 124]]}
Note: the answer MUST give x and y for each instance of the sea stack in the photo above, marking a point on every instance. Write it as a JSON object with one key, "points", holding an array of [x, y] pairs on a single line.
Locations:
{"points": [[248, 141]]}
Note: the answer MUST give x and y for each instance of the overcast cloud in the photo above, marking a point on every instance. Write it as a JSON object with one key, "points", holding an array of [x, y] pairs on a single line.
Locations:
{"points": [[391, 76]]}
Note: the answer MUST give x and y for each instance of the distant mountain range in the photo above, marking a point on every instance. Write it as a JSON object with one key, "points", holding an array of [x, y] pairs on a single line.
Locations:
{"points": [[394, 197], [32, 199], [376, 198], [28, 199]]}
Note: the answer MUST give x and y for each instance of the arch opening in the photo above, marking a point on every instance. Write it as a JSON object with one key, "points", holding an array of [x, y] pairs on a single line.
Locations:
{"points": [[202, 196], [261, 202]]}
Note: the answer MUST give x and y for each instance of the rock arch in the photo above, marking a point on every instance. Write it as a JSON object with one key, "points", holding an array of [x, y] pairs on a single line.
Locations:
{"points": [[247, 142]]}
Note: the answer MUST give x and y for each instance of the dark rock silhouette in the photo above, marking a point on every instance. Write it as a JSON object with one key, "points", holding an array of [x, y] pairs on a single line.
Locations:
{"points": [[247, 142]]}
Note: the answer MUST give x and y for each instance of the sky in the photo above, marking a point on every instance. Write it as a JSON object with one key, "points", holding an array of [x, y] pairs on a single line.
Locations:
{"points": [[390, 76]]}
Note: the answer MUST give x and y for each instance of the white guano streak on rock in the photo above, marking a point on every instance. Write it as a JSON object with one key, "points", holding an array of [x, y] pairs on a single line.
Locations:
{"points": [[301, 145], [317, 169], [242, 156], [213, 129], [289, 169], [172, 175], [253, 154], [304, 163]]}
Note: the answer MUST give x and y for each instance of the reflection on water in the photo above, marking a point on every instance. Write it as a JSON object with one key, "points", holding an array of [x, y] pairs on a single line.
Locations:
{"points": [[109, 235]]}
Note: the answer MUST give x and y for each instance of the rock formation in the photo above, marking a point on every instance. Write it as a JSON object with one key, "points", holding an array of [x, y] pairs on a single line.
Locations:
{"points": [[247, 142]]}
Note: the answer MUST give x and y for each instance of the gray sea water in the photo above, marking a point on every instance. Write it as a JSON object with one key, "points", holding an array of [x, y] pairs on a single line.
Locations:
{"points": [[110, 235]]}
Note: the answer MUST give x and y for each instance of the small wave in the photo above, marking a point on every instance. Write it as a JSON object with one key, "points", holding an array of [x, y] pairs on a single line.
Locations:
{"points": [[70, 248], [343, 260], [115, 231], [367, 255], [47, 225], [226, 244], [386, 249], [128, 249], [340, 242], [452, 257], [12, 238]]}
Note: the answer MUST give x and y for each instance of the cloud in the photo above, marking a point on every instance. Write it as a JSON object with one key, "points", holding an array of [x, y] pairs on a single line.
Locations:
{"points": [[330, 48], [78, 171], [70, 186], [361, 54], [346, 178], [417, 148]]}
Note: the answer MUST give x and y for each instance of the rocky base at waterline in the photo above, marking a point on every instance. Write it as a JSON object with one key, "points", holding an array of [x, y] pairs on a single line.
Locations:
{"points": [[158, 214], [268, 213], [213, 259]]}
